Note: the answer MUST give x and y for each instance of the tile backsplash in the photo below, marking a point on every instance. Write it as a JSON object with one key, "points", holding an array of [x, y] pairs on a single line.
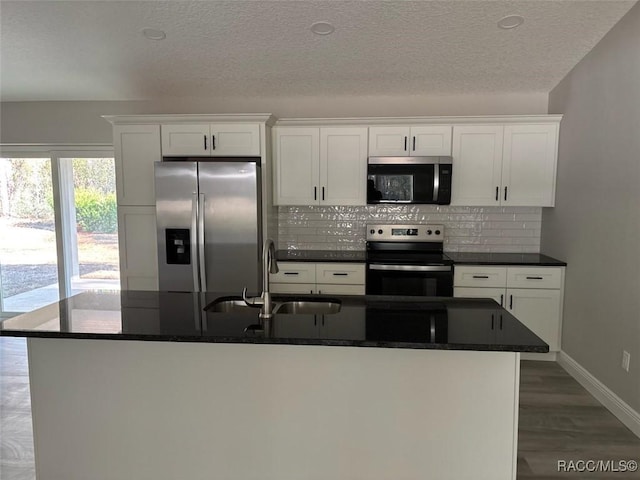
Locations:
{"points": [[467, 229]]}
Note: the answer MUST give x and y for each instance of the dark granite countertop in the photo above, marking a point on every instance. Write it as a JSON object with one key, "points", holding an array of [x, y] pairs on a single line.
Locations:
{"points": [[460, 258], [524, 259], [359, 256], [363, 321]]}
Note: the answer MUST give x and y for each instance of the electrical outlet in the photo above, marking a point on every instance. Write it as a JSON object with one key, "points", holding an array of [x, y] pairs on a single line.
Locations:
{"points": [[626, 359]]}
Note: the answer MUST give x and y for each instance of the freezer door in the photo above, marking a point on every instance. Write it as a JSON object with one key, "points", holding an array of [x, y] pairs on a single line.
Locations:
{"points": [[230, 193], [176, 208]]}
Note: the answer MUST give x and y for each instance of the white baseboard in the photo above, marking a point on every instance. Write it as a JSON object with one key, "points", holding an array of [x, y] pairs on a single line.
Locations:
{"points": [[610, 400], [545, 357]]}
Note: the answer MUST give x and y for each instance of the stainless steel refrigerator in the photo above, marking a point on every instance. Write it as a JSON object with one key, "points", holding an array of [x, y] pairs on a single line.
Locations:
{"points": [[208, 218]]}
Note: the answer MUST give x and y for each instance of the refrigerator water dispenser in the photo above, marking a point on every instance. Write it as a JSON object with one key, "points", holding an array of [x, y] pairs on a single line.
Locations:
{"points": [[178, 246]]}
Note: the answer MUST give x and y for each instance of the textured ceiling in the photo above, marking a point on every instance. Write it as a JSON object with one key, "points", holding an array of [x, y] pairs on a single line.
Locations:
{"points": [[94, 50]]}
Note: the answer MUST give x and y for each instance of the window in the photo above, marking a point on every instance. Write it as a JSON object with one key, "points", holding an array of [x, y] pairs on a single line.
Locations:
{"points": [[58, 226]]}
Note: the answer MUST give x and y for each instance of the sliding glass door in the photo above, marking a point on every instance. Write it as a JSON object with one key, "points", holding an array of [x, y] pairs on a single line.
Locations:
{"points": [[58, 227], [28, 255]]}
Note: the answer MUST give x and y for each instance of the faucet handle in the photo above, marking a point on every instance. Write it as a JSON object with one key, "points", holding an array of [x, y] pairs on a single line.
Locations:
{"points": [[250, 302]]}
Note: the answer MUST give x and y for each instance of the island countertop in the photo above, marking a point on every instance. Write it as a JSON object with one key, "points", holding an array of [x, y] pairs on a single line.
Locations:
{"points": [[363, 321]]}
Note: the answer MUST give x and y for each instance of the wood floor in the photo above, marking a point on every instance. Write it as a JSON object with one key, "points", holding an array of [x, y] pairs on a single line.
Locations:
{"points": [[559, 420]]}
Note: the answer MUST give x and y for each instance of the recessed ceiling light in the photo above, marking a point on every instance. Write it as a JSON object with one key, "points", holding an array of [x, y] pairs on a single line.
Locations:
{"points": [[322, 28], [154, 34], [510, 21]]}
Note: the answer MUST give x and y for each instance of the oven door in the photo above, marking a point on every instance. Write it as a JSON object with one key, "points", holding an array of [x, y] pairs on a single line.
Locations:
{"points": [[422, 280]]}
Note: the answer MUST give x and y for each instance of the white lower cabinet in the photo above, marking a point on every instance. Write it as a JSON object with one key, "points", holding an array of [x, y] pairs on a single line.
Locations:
{"points": [[335, 278], [531, 294]]}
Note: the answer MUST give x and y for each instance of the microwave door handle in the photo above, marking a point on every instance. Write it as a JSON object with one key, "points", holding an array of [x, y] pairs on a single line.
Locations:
{"points": [[436, 182], [411, 268]]}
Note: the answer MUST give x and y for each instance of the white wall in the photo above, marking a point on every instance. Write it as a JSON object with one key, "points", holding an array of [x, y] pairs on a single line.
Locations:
{"points": [[595, 226], [80, 122]]}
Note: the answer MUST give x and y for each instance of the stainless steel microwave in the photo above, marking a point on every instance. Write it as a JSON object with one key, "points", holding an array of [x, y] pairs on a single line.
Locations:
{"points": [[409, 180]]}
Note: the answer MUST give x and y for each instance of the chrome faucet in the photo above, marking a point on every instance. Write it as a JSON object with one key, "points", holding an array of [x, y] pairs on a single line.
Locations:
{"points": [[269, 265]]}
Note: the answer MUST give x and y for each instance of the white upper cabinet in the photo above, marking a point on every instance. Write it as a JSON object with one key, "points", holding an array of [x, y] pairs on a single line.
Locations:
{"points": [[512, 165], [320, 166], [477, 164], [529, 165], [220, 140], [136, 149], [404, 141], [297, 165], [343, 166]]}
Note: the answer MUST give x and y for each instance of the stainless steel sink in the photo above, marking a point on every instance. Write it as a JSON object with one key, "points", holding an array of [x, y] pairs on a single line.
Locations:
{"points": [[231, 306], [300, 307], [307, 307]]}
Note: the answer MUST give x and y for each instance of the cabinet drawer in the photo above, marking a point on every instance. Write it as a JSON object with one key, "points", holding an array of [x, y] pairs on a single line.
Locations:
{"points": [[328, 289], [293, 288], [340, 273], [479, 276], [294, 272], [534, 277], [496, 293]]}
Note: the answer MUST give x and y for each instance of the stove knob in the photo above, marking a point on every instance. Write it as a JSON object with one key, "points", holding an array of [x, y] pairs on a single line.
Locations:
{"points": [[429, 232], [380, 231], [437, 232], [372, 231]]}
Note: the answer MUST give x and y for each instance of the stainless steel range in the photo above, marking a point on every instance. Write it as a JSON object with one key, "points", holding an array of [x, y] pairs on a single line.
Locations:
{"points": [[408, 260]]}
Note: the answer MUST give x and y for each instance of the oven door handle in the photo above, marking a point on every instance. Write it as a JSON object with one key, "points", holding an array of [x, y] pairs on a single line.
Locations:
{"points": [[411, 268]]}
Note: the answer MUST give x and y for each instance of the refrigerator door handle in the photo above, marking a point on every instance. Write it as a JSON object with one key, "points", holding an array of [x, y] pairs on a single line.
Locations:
{"points": [[194, 238], [203, 274]]}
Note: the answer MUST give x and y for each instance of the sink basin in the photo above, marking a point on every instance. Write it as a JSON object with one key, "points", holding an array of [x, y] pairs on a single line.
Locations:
{"points": [[308, 307], [289, 306], [231, 306]]}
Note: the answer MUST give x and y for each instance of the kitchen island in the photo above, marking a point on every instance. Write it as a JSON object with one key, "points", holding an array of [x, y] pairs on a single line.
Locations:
{"points": [[149, 385]]}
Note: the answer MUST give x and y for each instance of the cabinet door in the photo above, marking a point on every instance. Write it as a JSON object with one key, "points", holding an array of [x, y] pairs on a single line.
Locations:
{"points": [[529, 165], [477, 164], [389, 141], [136, 148], [186, 139], [344, 273], [343, 166], [333, 289], [479, 276], [137, 240], [539, 310], [431, 140], [228, 140], [498, 294], [297, 152], [293, 288]]}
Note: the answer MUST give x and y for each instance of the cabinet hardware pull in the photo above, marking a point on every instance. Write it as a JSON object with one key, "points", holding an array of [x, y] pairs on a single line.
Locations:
{"points": [[205, 142], [414, 144], [510, 302], [500, 321], [405, 144], [535, 278], [292, 273], [315, 320], [323, 320], [497, 193], [322, 193], [501, 299], [340, 274], [505, 193], [481, 276], [213, 142], [315, 193], [492, 321]]}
